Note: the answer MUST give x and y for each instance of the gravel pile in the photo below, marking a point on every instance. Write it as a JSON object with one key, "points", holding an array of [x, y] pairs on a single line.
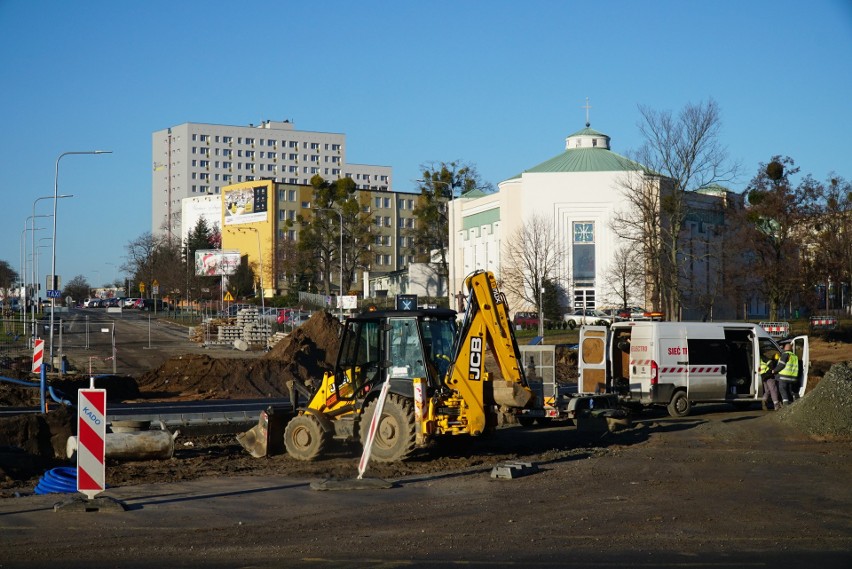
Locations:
{"points": [[827, 410]]}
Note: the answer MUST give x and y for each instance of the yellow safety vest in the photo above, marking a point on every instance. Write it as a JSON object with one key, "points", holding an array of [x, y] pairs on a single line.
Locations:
{"points": [[764, 367], [791, 370]]}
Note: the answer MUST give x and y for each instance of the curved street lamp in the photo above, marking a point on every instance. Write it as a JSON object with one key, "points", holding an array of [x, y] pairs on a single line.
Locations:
{"points": [[53, 279]]}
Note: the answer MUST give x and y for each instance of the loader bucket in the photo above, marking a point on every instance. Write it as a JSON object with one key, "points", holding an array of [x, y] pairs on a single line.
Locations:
{"points": [[267, 437], [511, 394]]}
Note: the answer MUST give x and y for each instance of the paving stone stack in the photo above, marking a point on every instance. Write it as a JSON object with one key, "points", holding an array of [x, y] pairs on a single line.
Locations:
{"points": [[254, 330]]}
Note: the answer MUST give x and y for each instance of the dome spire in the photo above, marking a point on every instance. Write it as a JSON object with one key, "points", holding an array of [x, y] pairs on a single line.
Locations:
{"points": [[587, 106]]}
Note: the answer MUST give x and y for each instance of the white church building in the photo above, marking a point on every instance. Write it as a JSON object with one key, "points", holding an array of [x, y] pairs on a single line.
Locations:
{"points": [[580, 191]]}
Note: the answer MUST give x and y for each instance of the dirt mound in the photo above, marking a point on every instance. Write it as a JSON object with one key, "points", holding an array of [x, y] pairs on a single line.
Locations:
{"points": [[302, 356], [32, 443], [827, 410]]}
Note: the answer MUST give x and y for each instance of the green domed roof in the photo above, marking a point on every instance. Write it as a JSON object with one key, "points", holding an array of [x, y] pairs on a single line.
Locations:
{"points": [[586, 160], [587, 150]]}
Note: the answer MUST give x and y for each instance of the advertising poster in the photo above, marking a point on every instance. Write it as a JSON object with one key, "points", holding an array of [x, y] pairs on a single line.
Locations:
{"points": [[216, 262], [245, 205]]}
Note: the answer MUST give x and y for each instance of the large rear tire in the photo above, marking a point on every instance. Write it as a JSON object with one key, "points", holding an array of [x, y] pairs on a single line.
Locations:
{"points": [[396, 437], [304, 438], [679, 406]]}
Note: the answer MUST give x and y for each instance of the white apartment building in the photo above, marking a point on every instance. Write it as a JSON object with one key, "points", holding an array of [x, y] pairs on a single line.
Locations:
{"points": [[197, 159]]}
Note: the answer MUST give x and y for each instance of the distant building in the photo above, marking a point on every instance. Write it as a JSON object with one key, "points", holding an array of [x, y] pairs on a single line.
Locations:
{"points": [[192, 210], [580, 191], [197, 159], [257, 230]]}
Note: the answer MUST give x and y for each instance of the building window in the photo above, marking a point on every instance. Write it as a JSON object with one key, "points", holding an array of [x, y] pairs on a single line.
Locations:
{"points": [[583, 251]]}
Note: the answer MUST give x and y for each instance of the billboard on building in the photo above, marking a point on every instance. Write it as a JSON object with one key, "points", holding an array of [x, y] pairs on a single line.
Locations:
{"points": [[216, 262], [245, 205]]}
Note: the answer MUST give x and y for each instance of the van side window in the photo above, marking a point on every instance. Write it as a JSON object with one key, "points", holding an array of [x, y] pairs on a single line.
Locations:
{"points": [[707, 352]]}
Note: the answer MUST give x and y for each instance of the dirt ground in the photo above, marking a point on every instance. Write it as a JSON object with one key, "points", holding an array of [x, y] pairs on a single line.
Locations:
{"points": [[720, 487]]}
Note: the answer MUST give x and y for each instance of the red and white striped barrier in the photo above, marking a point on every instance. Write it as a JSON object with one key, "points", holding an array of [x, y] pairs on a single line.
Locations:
{"points": [[38, 355], [776, 329], [824, 322], [91, 441]]}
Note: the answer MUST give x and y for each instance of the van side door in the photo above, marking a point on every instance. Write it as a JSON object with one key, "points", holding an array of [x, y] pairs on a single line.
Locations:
{"points": [[707, 366], [592, 359], [802, 349]]}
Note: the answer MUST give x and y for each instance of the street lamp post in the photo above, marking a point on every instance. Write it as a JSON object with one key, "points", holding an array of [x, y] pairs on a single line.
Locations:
{"points": [[33, 281], [340, 253], [53, 279]]}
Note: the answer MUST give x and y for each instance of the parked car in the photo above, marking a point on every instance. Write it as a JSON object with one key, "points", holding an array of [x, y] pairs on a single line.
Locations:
{"points": [[525, 320], [130, 302], [293, 316], [632, 313], [110, 303], [57, 324], [158, 306], [95, 303], [587, 316]]}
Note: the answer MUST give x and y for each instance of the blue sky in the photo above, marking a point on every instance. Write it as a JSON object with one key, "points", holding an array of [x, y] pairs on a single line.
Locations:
{"points": [[495, 83]]}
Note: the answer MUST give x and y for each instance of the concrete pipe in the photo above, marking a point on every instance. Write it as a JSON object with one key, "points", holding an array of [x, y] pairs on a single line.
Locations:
{"points": [[135, 445]]}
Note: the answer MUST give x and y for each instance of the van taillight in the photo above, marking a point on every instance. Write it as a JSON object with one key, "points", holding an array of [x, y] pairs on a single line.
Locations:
{"points": [[655, 371]]}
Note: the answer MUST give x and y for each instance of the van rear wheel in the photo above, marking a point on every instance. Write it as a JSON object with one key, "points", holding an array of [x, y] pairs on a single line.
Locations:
{"points": [[679, 406]]}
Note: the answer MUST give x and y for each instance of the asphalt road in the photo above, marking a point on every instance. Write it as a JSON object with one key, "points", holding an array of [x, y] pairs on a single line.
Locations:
{"points": [[718, 489], [129, 342]]}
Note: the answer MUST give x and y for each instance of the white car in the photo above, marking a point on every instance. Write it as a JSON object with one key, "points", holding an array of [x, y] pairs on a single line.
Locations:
{"points": [[129, 302], [587, 316]]}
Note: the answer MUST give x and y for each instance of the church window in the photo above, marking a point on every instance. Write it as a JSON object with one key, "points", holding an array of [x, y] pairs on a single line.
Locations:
{"points": [[583, 251]]}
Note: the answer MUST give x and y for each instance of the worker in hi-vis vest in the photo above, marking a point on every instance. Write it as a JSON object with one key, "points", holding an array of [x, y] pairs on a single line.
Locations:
{"points": [[787, 374]]}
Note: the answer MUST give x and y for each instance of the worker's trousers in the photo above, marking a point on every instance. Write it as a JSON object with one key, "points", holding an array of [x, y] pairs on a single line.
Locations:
{"points": [[786, 389], [770, 391]]}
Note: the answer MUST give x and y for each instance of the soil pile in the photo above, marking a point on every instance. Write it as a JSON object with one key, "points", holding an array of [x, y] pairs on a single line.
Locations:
{"points": [[302, 356], [826, 411], [29, 444]]}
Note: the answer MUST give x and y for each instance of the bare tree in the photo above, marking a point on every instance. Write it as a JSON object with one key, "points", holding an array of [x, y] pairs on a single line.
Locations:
{"points": [[533, 254], [681, 154], [625, 278], [639, 224]]}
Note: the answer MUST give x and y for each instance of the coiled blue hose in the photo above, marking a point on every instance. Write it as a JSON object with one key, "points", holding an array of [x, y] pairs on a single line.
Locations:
{"points": [[59, 480]]}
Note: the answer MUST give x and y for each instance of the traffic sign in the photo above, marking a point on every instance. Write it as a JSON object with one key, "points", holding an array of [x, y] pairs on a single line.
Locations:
{"points": [[91, 441], [54, 294], [406, 302], [38, 355], [228, 296]]}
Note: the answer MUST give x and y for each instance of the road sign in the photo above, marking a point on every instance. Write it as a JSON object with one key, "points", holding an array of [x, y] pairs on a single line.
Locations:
{"points": [[406, 302], [141, 287], [91, 441], [54, 294], [38, 355], [155, 289], [228, 296]]}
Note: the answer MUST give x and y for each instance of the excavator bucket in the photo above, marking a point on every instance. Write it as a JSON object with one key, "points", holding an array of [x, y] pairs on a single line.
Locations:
{"points": [[267, 437], [511, 394]]}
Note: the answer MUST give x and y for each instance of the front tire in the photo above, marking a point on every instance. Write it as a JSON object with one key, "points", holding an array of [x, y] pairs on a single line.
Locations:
{"points": [[304, 438], [396, 436], [679, 406], [572, 324]]}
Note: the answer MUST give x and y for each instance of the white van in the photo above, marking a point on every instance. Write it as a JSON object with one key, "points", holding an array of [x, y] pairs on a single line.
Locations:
{"points": [[679, 363]]}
